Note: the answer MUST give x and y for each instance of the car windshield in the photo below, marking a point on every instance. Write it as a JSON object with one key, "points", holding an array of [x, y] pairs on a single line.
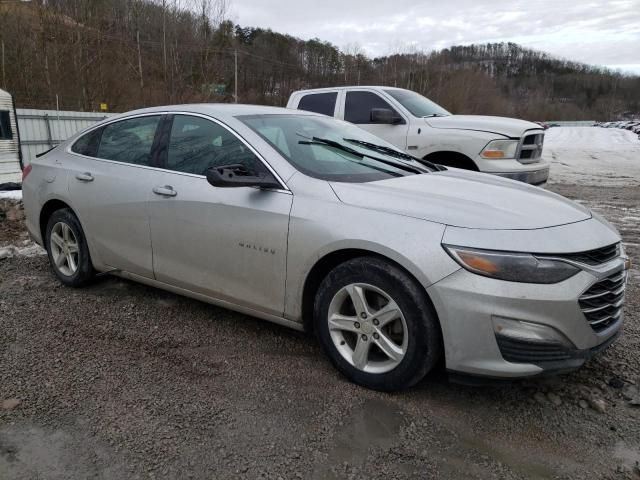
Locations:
{"points": [[331, 149], [417, 104]]}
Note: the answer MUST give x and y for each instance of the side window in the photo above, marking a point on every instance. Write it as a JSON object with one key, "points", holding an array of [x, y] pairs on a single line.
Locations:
{"points": [[129, 141], [324, 103], [88, 144], [5, 125], [358, 105], [197, 144]]}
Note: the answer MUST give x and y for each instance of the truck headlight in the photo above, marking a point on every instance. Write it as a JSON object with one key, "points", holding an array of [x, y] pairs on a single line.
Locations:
{"points": [[512, 267], [500, 149]]}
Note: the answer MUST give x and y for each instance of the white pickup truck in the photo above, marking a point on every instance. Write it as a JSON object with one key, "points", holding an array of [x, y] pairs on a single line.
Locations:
{"points": [[502, 146]]}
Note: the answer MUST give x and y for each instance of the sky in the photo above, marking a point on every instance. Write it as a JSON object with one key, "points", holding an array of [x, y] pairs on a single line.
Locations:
{"points": [[605, 33]]}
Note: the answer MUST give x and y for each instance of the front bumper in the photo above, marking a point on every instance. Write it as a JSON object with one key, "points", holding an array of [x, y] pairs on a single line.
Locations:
{"points": [[468, 306], [534, 173], [533, 177]]}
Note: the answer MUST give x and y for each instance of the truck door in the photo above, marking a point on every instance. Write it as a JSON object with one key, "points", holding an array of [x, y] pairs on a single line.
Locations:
{"points": [[357, 109]]}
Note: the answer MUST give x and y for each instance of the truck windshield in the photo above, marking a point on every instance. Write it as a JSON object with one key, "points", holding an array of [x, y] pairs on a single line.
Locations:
{"points": [[331, 149], [418, 105]]}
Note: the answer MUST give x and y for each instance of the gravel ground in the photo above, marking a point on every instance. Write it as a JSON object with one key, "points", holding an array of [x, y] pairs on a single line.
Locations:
{"points": [[119, 380]]}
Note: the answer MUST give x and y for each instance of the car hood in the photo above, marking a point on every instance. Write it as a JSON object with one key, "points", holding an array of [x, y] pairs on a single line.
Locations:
{"points": [[509, 127], [464, 199]]}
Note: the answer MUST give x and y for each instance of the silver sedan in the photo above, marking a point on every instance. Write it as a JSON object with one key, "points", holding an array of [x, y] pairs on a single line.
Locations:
{"points": [[310, 222]]}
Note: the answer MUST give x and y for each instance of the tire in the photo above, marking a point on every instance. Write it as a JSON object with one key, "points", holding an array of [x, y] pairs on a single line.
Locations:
{"points": [[63, 224], [414, 353]]}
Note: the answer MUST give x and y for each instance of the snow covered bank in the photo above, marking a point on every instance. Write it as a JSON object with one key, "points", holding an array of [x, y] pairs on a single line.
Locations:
{"points": [[12, 194], [593, 156]]}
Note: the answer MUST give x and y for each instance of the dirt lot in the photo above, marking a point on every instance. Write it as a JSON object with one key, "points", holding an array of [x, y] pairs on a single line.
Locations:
{"points": [[119, 380]]}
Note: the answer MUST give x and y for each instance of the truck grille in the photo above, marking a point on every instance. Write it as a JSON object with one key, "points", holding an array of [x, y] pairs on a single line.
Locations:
{"points": [[602, 303], [530, 149]]}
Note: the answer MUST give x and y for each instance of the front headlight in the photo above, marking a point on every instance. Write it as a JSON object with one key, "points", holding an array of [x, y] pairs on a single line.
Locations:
{"points": [[500, 149], [512, 267]]}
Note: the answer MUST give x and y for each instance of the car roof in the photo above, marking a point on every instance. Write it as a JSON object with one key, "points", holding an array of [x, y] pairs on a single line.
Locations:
{"points": [[218, 110], [348, 87]]}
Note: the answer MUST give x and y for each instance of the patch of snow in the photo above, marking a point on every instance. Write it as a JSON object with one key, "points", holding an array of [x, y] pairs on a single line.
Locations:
{"points": [[28, 250], [12, 194], [593, 156]]}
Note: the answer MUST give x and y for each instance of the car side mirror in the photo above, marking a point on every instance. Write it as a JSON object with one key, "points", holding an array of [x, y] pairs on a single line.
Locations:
{"points": [[238, 175], [385, 116]]}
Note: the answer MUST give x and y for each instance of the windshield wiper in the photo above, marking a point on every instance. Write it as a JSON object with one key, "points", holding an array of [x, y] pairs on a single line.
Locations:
{"points": [[394, 152], [382, 149], [344, 148], [435, 115]]}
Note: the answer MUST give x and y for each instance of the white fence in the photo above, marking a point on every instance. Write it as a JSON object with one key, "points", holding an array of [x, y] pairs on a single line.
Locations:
{"points": [[42, 129]]}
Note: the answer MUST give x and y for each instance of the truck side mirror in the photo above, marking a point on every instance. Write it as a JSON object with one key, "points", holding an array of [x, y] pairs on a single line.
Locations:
{"points": [[385, 116]]}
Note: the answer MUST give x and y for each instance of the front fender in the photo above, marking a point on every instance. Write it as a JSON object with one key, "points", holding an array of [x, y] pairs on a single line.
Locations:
{"points": [[465, 142], [319, 227]]}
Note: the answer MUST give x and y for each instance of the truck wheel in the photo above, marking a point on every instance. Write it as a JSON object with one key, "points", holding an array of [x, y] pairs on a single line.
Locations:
{"points": [[376, 325]]}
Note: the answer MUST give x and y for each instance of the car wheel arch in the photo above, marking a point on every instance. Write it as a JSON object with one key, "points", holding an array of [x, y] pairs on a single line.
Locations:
{"points": [[47, 210], [328, 262], [454, 159]]}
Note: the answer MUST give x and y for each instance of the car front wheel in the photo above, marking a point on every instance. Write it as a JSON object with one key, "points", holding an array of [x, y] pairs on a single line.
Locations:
{"points": [[376, 325]]}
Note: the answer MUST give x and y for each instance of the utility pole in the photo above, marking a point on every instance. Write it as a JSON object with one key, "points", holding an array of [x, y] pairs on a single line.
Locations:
{"points": [[164, 40], [4, 76], [235, 95]]}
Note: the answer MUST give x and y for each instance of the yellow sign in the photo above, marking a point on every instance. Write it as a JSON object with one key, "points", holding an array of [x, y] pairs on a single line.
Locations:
{"points": [[104, 107]]}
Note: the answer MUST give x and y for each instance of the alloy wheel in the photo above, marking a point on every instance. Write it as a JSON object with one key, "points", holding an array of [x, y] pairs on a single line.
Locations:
{"points": [[368, 328], [65, 250]]}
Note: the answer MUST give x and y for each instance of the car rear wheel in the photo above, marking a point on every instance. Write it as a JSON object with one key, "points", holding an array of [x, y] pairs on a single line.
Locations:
{"points": [[376, 324], [67, 249]]}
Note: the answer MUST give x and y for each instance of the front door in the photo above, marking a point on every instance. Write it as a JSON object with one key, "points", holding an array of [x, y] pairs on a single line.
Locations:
{"points": [[228, 243], [357, 109]]}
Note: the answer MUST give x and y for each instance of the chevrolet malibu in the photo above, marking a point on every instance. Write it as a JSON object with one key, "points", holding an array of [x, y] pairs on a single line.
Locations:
{"points": [[395, 263]]}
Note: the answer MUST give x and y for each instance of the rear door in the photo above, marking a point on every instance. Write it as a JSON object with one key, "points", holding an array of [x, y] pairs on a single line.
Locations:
{"points": [[227, 243], [111, 175], [357, 109]]}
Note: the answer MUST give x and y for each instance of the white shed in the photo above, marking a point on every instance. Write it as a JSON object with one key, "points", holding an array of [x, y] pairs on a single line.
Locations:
{"points": [[10, 161]]}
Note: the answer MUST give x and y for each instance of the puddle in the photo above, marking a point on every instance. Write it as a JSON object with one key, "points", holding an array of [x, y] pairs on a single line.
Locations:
{"points": [[628, 456], [28, 451], [528, 467], [375, 424]]}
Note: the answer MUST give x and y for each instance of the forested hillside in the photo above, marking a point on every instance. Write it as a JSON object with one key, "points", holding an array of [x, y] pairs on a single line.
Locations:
{"points": [[134, 53]]}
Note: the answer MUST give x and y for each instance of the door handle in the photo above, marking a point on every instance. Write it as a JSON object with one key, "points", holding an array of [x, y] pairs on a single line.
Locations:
{"points": [[85, 177], [166, 191]]}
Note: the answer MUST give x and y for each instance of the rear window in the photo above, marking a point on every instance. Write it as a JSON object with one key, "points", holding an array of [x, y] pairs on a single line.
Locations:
{"points": [[129, 141], [324, 103], [88, 144], [5, 125]]}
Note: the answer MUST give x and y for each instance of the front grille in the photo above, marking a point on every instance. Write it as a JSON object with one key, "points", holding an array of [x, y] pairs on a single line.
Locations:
{"points": [[595, 257], [530, 149], [602, 303]]}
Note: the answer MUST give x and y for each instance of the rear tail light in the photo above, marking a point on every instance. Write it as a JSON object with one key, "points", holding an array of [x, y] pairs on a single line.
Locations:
{"points": [[26, 171]]}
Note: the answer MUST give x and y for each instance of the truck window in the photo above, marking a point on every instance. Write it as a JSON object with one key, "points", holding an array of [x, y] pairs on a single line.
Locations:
{"points": [[324, 103], [358, 105], [5, 126]]}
